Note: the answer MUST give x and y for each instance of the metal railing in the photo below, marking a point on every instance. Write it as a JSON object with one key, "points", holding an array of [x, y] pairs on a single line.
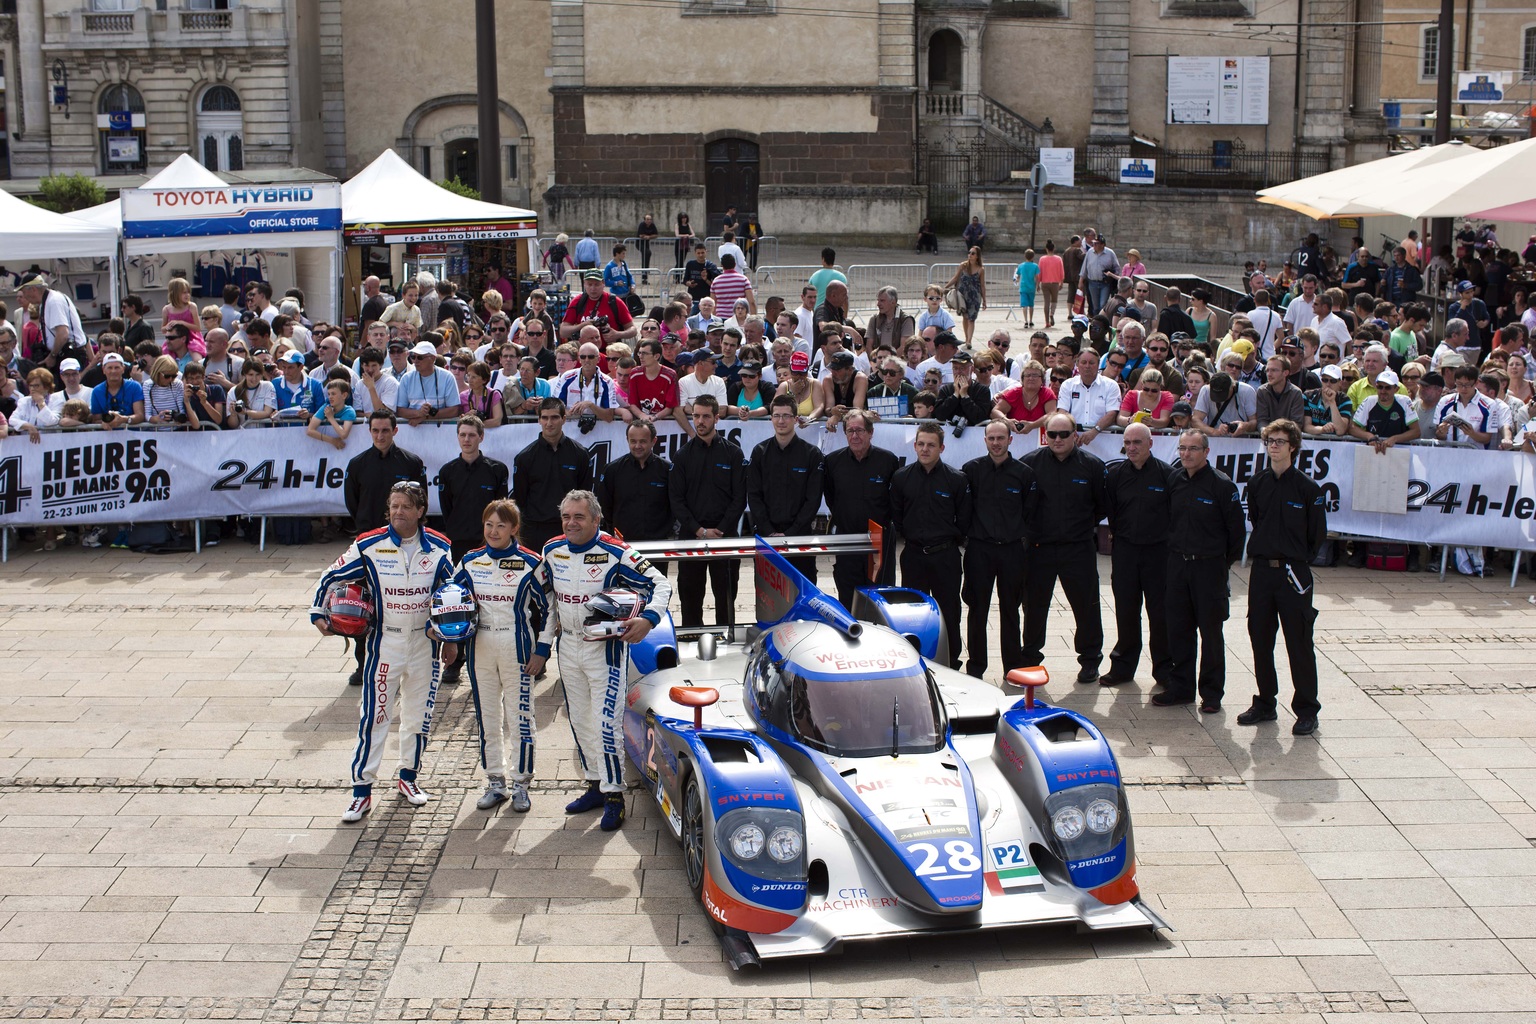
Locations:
{"points": [[1205, 168], [780, 277], [864, 280]]}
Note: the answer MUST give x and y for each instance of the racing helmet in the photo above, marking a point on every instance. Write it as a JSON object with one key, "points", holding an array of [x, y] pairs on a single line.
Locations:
{"points": [[608, 610], [454, 614], [349, 609]]}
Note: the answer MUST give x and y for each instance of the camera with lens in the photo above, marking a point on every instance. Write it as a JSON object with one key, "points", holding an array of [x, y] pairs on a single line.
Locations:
{"points": [[600, 322], [959, 423], [586, 421], [240, 405]]}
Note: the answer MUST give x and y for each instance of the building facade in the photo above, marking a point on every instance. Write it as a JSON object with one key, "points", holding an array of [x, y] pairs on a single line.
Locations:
{"points": [[109, 87]]}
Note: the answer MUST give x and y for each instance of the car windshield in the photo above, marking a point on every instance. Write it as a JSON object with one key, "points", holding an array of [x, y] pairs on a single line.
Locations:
{"points": [[851, 717]]}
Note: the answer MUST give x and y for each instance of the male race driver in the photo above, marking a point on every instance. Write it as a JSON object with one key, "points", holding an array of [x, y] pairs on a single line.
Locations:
{"points": [[403, 564], [577, 567]]}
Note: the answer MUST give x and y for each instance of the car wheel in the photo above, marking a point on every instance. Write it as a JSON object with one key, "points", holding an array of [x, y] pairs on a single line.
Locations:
{"points": [[693, 837]]}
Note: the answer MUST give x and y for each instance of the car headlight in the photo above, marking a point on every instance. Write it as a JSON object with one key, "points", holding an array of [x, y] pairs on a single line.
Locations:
{"points": [[1102, 816], [785, 844], [1068, 823], [747, 841]]}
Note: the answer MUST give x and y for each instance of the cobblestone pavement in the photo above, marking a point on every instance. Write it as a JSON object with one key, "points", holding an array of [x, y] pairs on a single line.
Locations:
{"points": [[173, 738]]}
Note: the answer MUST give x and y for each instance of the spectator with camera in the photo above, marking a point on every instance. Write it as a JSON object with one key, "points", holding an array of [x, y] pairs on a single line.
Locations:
{"points": [[117, 401], [426, 392], [597, 307], [587, 392], [204, 401]]}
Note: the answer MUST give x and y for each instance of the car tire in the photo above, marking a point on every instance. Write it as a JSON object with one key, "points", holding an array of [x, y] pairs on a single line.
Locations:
{"points": [[695, 852]]}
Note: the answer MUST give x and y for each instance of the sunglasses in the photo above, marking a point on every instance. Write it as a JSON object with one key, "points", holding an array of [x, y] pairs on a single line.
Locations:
{"points": [[535, 334], [212, 316], [891, 373], [1158, 351], [1119, 364], [1002, 345], [1058, 435], [748, 376], [238, 351], [587, 359]]}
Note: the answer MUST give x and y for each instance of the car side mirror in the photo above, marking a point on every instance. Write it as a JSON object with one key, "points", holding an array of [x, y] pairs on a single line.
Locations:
{"points": [[696, 697], [1028, 679]]}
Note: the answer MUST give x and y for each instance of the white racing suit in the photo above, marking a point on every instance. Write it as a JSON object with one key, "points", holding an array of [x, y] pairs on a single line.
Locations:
{"points": [[594, 673], [512, 609], [400, 668]]}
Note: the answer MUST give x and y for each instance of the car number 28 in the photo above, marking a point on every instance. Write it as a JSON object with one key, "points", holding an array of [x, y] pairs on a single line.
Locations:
{"points": [[960, 856]]}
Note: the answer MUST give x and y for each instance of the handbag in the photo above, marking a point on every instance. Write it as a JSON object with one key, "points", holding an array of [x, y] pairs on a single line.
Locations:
{"points": [[1079, 304], [952, 299]]}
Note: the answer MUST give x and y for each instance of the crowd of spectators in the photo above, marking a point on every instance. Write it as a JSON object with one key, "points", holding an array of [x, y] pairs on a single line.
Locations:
{"points": [[1343, 348]]}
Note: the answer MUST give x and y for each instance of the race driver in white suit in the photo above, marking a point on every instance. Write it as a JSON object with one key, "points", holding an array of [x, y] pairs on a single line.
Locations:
{"points": [[577, 567], [403, 563]]}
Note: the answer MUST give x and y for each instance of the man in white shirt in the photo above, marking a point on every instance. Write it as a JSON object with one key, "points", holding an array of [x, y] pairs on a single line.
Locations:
{"points": [[1299, 313], [728, 246], [69, 371], [1468, 415], [702, 381], [805, 313], [945, 345], [329, 351], [61, 321], [1327, 324], [375, 389], [1457, 334], [1090, 398], [1269, 324]]}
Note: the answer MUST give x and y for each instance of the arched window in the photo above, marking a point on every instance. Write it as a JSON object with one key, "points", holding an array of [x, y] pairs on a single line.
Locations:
{"points": [[946, 55], [219, 129], [120, 129]]}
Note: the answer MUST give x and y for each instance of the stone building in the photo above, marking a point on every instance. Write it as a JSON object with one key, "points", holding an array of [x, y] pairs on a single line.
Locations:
{"points": [[108, 87]]}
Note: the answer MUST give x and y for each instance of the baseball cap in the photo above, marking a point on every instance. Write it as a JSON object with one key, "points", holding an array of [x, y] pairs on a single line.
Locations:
{"points": [[296, 357], [592, 275], [1079, 320], [702, 354], [716, 324], [684, 359], [397, 346], [1179, 336], [1387, 377], [756, 368], [1451, 360], [1243, 347], [946, 338], [800, 362], [112, 357], [1182, 409], [1464, 286], [961, 356], [423, 348], [39, 281], [1432, 380], [842, 361], [247, 316], [69, 364], [1291, 343], [1221, 387], [1331, 372]]}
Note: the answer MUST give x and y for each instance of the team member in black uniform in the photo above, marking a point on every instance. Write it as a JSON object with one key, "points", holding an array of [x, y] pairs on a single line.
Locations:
{"points": [[857, 484], [365, 489], [931, 509], [1290, 520], [709, 493], [994, 554], [545, 472], [465, 487], [1206, 538], [1138, 518], [635, 490], [784, 482], [1066, 502]]}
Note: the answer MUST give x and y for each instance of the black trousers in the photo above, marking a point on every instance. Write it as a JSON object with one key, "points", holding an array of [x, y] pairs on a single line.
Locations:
{"points": [[723, 574], [987, 567], [644, 245], [1271, 601], [850, 572], [534, 535], [938, 576], [1077, 566], [1139, 575], [1197, 606]]}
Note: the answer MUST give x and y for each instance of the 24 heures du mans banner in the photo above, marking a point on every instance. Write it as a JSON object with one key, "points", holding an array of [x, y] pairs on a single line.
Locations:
{"points": [[1455, 495]]}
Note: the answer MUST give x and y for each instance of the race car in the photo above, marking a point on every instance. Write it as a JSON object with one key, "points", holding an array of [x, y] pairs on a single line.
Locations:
{"points": [[830, 780]]}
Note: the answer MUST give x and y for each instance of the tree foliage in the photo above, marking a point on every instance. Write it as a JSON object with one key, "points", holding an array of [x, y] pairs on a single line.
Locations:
{"points": [[65, 193]]}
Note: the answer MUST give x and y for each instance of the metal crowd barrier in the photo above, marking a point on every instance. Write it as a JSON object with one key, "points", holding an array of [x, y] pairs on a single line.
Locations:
{"points": [[779, 278], [864, 280]]}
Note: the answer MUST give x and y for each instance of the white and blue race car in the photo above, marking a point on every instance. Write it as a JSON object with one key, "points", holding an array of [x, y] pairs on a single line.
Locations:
{"points": [[831, 780]]}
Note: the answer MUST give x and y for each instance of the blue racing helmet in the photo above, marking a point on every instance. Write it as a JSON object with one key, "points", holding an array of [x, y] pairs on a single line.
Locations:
{"points": [[454, 614]]}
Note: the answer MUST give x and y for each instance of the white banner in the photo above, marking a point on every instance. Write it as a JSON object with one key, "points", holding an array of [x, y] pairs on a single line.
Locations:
{"points": [[1455, 495]]}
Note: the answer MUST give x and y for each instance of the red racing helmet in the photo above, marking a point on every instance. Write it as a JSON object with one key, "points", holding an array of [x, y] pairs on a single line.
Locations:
{"points": [[349, 608]]}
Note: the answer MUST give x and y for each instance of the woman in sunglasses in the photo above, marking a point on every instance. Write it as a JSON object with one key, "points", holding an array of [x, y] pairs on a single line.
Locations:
{"points": [[746, 397], [1148, 402]]}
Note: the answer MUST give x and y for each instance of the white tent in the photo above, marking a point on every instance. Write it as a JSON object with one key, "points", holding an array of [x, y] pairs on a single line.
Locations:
{"points": [[1353, 191], [183, 172], [29, 232], [1498, 181], [389, 197]]}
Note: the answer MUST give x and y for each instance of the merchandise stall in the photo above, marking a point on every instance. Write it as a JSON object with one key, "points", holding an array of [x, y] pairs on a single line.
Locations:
{"points": [[188, 222], [31, 237], [398, 223]]}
